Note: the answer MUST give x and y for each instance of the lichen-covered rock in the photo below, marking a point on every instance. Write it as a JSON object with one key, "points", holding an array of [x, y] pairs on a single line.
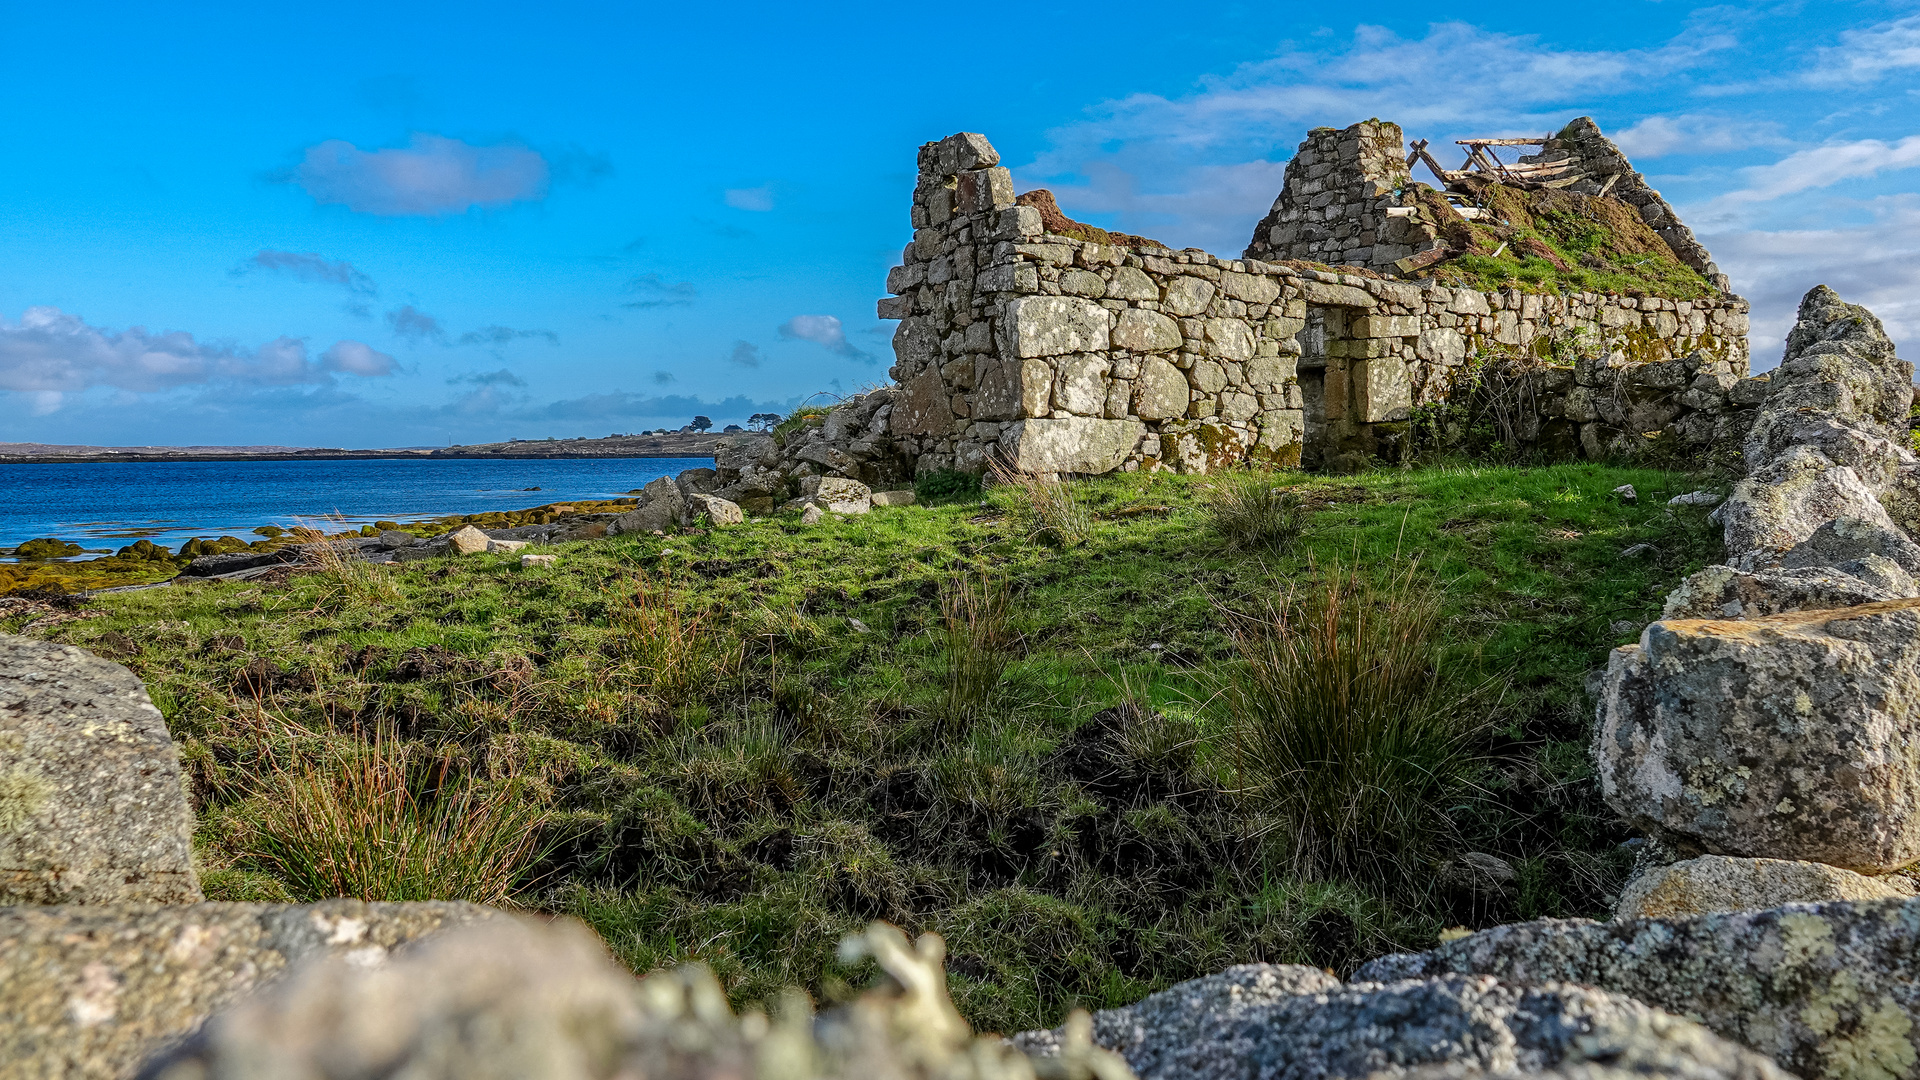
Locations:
{"points": [[713, 510], [1720, 883], [467, 540], [1829, 991], [1789, 736], [1844, 540], [1289, 1023], [513, 1000], [1053, 326], [839, 495], [1070, 444], [1721, 592], [93, 808], [90, 992]]}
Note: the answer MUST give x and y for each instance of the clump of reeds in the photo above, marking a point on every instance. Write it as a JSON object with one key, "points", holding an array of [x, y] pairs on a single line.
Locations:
{"points": [[977, 635], [390, 820], [666, 646], [1052, 514], [339, 561], [1250, 513], [1351, 723]]}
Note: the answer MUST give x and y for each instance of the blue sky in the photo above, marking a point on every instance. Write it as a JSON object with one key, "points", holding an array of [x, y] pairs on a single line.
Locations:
{"points": [[404, 224]]}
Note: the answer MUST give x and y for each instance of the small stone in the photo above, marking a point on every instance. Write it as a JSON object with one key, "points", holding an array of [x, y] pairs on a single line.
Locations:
{"points": [[858, 626], [506, 547], [1696, 498], [1624, 626], [1626, 494], [811, 515], [893, 498], [467, 540], [1637, 550], [528, 562]]}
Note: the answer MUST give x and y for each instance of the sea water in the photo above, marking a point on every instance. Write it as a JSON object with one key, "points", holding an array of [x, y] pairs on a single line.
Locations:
{"points": [[111, 504]]}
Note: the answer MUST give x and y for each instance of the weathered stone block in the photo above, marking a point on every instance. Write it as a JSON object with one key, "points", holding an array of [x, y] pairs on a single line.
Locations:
{"points": [[1443, 345], [1132, 283], [1160, 392], [1251, 288], [1788, 736], [1035, 326], [916, 343], [1383, 390], [1081, 386], [1072, 444], [1385, 326], [1145, 331], [93, 808], [921, 408], [1321, 294], [1188, 295], [1231, 339]]}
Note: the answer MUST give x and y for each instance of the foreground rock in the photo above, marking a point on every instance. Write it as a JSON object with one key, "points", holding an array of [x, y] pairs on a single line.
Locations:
{"points": [[513, 1000], [93, 809], [468, 540], [1713, 883], [1789, 736], [93, 991], [1829, 991], [1258, 1021]]}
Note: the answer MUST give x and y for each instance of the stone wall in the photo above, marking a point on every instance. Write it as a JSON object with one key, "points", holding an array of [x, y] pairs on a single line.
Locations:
{"points": [[1345, 202], [1061, 355]]}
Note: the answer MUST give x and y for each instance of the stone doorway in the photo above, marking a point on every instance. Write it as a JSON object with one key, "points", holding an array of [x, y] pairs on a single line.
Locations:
{"points": [[1322, 373]]}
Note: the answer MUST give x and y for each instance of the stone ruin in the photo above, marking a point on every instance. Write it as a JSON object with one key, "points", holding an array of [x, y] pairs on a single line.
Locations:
{"points": [[1056, 347]]}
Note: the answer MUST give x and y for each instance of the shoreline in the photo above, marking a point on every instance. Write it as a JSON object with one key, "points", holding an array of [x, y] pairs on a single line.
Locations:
{"points": [[678, 444]]}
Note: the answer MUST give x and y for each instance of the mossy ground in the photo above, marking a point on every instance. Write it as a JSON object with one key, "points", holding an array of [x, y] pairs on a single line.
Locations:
{"points": [[739, 738]]}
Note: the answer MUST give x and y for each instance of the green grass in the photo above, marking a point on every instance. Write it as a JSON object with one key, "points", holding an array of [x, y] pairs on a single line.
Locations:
{"points": [[740, 743]]}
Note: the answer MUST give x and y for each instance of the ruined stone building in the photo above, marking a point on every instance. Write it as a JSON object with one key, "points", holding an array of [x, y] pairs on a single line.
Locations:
{"points": [[1061, 347]]}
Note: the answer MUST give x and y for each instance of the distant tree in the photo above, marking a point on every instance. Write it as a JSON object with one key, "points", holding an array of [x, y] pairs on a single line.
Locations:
{"points": [[763, 421], [701, 423]]}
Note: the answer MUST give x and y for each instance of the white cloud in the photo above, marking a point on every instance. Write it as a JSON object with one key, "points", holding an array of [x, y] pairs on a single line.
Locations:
{"points": [[51, 352], [1822, 166], [824, 330], [1867, 55], [1694, 133], [434, 175], [758, 199], [1876, 264], [357, 358]]}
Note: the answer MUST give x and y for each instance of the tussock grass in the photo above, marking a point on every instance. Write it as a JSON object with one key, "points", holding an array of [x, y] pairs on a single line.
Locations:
{"points": [[1047, 505], [978, 638], [1251, 511], [389, 820], [1351, 722]]}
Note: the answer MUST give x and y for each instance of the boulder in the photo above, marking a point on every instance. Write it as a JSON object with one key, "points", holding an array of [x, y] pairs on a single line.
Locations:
{"points": [[696, 481], [1787, 736], [839, 495], [93, 991], [661, 507], [713, 510], [893, 498], [1071, 444], [1720, 883], [1258, 1021], [233, 562], [393, 538], [467, 540], [428, 549], [93, 807], [733, 454], [1829, 991]]}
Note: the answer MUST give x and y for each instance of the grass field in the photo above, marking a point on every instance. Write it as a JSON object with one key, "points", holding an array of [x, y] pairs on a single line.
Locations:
{"points": [[1029, 735]]}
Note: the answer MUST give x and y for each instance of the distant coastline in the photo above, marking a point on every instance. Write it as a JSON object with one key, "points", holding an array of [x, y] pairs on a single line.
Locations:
{"points": [[677, 444]]}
